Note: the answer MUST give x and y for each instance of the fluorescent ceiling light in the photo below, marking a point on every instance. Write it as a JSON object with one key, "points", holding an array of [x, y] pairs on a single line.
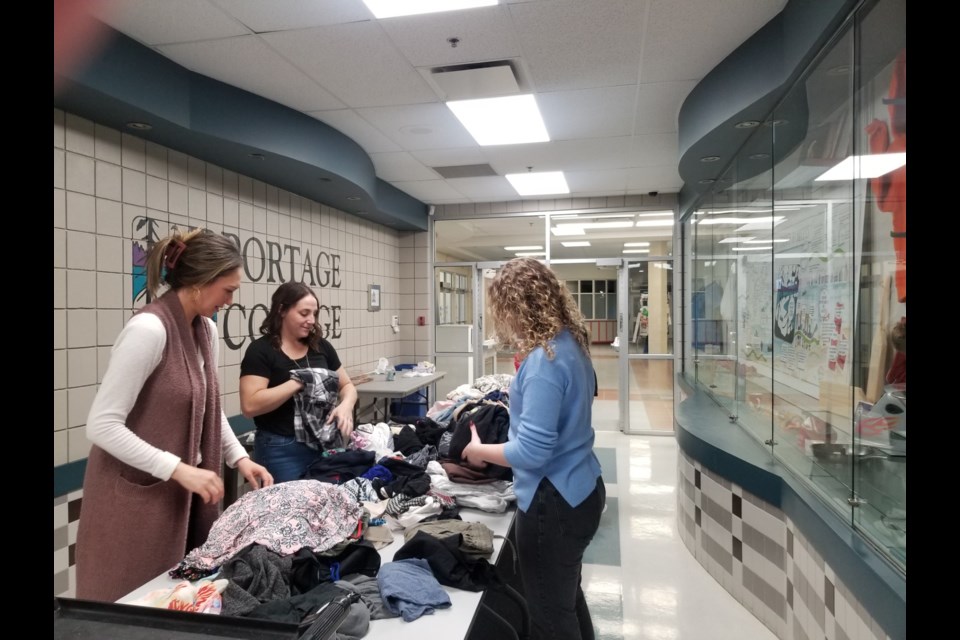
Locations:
{"points": [[507, 120], [636, 250], [636, 244], [529, 247], [656, 214], [577, 229], [752, 248], [663, 265], [568, 230], [393, 8], [569, 216], [765, 220], [655, 223], [530, 254], [740, 239], [718, 212], [863, 167], [536, 184], [578, 243], [767, 241]]}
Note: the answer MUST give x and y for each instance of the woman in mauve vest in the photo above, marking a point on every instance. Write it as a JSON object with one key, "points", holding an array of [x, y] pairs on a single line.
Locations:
{"points": [[152, 486]]}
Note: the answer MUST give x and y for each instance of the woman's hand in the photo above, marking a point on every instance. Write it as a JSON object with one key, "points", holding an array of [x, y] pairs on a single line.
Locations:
{"points": [[471, 453], [206, 484], [343, 414], [257, 475]]}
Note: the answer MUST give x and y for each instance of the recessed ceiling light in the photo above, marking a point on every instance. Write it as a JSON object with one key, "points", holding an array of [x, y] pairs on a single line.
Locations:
{"points": [[353, 197], [392, 8], [140, 126], [752, 248], [663, 222], [775, 241], [706, 181], [758, 156], [636, 244], [735, 240], [776, 123], [709, 158], [747, 124], [576, 243], [864, 167], [536, 184], [636, 250], [506, 120], [528, 247]]}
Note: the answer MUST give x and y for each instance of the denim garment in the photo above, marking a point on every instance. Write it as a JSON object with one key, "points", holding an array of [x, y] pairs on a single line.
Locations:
{"points": [[551, 539], [284, 457]]}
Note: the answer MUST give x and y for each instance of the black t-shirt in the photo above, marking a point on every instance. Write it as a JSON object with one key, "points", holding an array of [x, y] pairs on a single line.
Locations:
{"points": [[264, 360]]}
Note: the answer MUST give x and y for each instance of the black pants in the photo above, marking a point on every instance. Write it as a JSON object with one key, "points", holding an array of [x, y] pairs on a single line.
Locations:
{"points": [[551, 539]]}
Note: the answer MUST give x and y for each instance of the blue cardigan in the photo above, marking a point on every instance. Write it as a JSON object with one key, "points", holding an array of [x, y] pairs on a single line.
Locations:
{"points": [[551, 430]]}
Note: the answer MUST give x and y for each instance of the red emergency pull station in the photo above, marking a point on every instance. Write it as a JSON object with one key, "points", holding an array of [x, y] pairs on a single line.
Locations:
{"points": [[421, 321]]}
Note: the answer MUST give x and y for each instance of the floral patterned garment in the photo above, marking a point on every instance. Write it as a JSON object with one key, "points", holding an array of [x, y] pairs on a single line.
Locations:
{"points": [[284, 518]]}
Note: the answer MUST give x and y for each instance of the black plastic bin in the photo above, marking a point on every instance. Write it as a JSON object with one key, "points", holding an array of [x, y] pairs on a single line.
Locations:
{"points": [[414, 404]]}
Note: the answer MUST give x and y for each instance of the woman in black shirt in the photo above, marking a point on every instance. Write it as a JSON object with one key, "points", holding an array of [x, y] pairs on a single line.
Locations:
{"points": [[290, 341]]}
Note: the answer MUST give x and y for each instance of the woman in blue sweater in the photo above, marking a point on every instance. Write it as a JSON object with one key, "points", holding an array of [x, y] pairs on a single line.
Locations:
{"points": [[556, 475]]}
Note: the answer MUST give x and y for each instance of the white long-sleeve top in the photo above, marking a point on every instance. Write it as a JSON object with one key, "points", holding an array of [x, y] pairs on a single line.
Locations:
{"points": [[136, 353]]}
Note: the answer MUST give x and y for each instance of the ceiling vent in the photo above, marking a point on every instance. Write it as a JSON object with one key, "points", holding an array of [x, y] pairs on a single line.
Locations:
{"points": [[476, 80], [465, 171]]}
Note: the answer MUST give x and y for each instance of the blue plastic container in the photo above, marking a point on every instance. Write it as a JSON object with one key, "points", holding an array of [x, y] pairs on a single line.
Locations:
{"points": [[414, 404]]}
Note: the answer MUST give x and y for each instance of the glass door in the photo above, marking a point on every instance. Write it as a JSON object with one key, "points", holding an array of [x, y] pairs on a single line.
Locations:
{"points": [[455, 336], [645, 336]]}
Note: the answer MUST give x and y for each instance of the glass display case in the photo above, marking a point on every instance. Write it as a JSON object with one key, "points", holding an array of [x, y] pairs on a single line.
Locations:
{"points": [[795, 278]]}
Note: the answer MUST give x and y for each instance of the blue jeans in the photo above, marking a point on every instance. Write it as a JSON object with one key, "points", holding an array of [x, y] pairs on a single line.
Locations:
{"points": [[551, 539], [284, 457]]}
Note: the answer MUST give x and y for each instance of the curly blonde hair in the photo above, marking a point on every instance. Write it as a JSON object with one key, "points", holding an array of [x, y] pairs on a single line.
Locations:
{"points": [[530, 306]]}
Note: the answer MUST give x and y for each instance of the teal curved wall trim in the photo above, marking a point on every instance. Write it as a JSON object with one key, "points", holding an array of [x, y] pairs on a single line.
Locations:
{"points": [[747, 85], [706, 435], [224, 125]]}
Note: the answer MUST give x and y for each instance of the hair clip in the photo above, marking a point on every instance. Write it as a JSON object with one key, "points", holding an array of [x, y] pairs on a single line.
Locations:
{"points": [[174, 249]]}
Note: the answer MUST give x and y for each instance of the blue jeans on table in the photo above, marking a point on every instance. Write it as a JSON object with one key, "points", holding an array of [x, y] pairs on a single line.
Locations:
{"points": [[284, 457], [551, 539]]}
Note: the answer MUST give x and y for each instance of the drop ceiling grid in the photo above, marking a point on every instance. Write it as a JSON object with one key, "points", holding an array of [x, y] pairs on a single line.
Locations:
{"points": [[249, 63], [356, 62], [579, 45]]}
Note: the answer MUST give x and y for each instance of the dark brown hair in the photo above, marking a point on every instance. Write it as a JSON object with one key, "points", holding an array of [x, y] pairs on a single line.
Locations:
{"points": [[284, 298]]}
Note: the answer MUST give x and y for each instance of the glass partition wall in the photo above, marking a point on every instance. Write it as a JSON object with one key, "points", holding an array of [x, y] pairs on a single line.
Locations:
{"points": [[795, 279]]}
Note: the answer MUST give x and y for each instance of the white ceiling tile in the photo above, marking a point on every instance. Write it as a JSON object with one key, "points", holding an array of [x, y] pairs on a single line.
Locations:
{"points": [[349, 123], [155, 22], [685, 40], [279, 15], [356, 62], [658, 106], [427, 190], [450, 157], [588, 113], [248, 63], [562, 155], [577, 45], [485, 187], [653, 149], [401, 166], [613, 180], [420, 126], [485, 33], [664, 178]]}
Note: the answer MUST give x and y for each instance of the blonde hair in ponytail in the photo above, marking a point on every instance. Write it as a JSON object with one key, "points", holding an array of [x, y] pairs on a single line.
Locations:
{"points": [[190, 259]]}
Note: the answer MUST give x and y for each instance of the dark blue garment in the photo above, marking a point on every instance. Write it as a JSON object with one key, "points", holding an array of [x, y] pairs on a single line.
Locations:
{"points": [[378, 471], [409, 589]]}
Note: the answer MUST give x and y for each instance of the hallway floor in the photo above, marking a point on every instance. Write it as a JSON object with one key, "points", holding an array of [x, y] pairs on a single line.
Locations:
{"points": [[640, 580]]}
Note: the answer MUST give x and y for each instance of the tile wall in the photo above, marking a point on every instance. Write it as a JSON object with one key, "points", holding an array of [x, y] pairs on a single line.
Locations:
{"points": [[113, 192], [760, 557]]}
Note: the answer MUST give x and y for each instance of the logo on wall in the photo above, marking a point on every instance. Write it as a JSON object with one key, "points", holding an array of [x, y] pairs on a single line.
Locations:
{"points": [[263, 261], [788, 285]]}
